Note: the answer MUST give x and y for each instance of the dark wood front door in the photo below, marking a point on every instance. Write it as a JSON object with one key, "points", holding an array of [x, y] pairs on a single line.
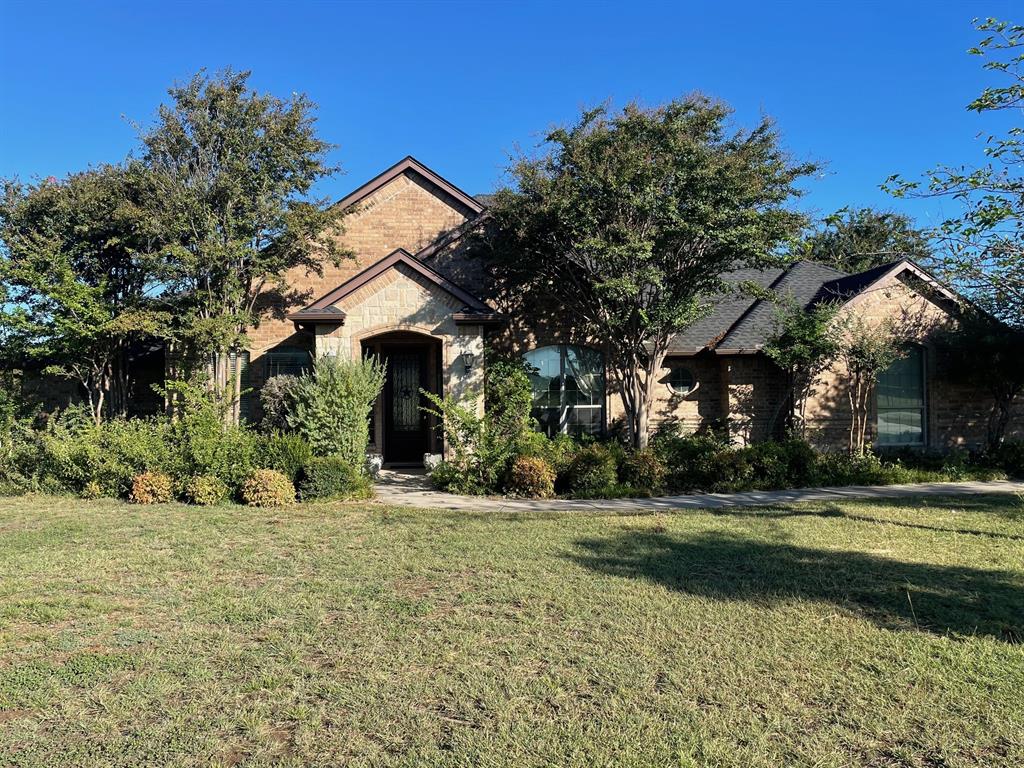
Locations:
{"points": [[406, 429]]}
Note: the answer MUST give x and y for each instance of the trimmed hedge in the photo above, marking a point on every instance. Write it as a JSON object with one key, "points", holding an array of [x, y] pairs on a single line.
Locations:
{"points": [[332, 477], [151, 488], [267, 488], [531, 477]]}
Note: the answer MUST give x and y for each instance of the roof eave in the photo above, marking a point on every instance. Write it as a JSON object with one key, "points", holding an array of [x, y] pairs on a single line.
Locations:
{"points": [[410, 163]]}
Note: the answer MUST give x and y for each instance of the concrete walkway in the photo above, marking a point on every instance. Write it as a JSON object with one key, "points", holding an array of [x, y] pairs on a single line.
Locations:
{"points": [[407, 489]]}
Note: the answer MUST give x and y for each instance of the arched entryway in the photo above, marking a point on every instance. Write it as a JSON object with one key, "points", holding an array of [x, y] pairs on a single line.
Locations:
{"points": [[400, 430]]}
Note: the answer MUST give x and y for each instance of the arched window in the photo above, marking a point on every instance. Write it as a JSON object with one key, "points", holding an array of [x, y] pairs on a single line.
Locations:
{"points": [[568, 389], [901, 402]]}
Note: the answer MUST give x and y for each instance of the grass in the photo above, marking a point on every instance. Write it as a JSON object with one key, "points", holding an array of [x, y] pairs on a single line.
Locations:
{"points": [[883, 634]]}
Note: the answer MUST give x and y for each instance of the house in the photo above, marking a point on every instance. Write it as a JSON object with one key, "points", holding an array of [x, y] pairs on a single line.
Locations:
{"points": [[418, 295]]}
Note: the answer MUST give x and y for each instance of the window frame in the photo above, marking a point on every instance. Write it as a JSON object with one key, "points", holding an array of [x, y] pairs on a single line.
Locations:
{"points": [[679, 366], [274, 367], [920, 350], [563, 423]]}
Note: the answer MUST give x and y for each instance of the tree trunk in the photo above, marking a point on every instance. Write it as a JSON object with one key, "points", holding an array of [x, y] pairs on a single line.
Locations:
{"points": [[998, 419]]}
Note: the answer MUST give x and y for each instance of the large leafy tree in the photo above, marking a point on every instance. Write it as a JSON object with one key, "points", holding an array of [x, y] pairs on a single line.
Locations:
{"points": [[982, 249], [232, 171], [77, 268], [627, 222], [854, 240]]}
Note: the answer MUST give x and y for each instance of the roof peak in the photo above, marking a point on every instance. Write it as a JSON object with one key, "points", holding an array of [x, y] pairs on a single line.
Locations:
{"points": [[408, 163]]}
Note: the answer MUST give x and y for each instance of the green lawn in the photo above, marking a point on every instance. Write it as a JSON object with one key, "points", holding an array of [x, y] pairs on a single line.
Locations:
{"points": [[883, 634]]}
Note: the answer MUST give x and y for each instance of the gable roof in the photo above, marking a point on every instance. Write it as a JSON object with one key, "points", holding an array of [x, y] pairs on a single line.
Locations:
{"points": [[323, 309], [847, 287], [741, 324], [410, 163]]}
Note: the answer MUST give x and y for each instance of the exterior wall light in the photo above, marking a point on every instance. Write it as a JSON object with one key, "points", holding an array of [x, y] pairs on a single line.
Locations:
{"points": [[467, 360]]}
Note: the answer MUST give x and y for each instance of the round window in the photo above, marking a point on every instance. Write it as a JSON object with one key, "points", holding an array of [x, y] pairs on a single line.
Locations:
{"points": [[681, 380]]}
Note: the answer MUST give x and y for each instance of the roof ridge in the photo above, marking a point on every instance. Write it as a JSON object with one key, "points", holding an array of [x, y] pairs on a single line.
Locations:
{"points": [[410, 163]]}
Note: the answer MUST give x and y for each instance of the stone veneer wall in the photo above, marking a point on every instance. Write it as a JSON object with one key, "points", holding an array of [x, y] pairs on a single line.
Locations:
{"points": [[401, 300]]}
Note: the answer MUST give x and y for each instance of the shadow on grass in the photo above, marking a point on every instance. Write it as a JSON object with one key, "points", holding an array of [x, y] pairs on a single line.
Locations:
{"points": [[890, 593], [837, 512]]}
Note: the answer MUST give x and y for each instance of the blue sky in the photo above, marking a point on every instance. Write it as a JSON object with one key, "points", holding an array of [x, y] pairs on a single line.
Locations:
{"points": [[869, 88]]}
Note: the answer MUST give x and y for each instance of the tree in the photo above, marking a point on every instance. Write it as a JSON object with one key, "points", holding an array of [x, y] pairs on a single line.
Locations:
{"points": [[982, 353], [982, 250], [855, 240], [803, 345], [232, 170], [77, 268], [628, 221], [866, 350]]}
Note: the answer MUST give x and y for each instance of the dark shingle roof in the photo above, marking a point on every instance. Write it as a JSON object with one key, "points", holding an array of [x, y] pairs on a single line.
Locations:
{"points": [[726, 310], [850, 285], [802, 283]]}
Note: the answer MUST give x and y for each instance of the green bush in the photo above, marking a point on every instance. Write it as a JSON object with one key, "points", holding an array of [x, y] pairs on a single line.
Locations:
{"points": [[286, 453], [531, 477], [151, 488], [205, 490], [93, 490], [592, 471], [842, 468], [453, 477], [692, 461], [481, 448], [267, 488], [791, 463], [1009, 457], [332, 477], [643, 470], [331, 406]]}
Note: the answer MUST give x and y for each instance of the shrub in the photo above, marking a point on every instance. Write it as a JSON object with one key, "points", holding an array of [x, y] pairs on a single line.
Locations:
{"points": [[92, 490], [276, 401], [592, 471], [150, 488], [643, 470], [480, 449], [453, 477], [331, 406], [288, 454], [508, 400], [559, 451], [204, 445], [531, 477], [205, 490], [332, 477], [267, 488], [691, 461], [842, 468], [791, 463], [1010, 457]]}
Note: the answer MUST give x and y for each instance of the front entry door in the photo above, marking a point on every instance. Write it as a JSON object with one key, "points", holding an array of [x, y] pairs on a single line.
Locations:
{"points": [[405, 425]]}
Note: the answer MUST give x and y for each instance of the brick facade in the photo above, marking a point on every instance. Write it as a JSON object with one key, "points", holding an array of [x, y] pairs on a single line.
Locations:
{"points": [[744, 393]]}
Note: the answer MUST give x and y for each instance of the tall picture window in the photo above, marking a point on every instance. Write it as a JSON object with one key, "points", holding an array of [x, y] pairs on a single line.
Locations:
{"points": [[901, 400]]}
